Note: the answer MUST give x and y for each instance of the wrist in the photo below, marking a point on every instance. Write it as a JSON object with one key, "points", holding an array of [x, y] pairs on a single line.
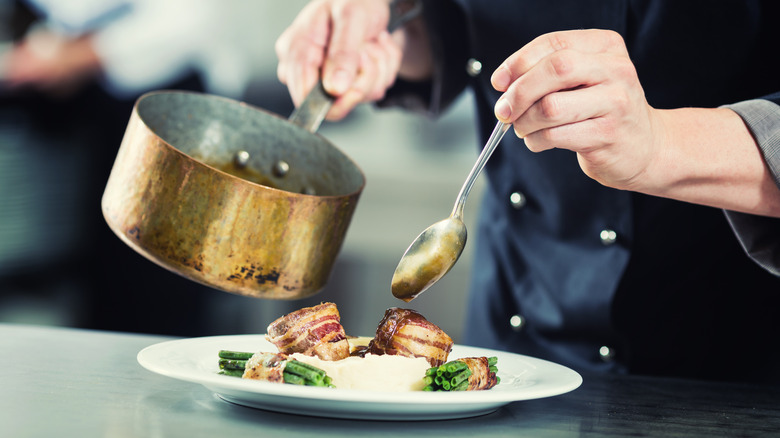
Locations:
{"points": [[708, 156]]}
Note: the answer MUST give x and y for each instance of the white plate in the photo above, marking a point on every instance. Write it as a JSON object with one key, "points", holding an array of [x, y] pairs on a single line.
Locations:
{"points": [[195, 360]]}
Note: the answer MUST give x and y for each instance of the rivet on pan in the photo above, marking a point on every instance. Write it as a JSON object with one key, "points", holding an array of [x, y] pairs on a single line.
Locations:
{"points": [[241, 159], [308, 191], [281, 168]]}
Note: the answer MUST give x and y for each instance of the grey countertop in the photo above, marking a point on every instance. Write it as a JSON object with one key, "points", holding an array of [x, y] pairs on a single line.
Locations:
{"points": [[60, 382]]}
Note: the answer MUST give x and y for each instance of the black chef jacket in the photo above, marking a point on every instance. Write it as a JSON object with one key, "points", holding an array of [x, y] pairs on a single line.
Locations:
{"points": [[601, 279]]}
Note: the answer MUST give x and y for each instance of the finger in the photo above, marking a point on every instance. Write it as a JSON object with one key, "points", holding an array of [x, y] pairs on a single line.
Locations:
{"points": [[282, 49], [301, 50], [352, 26], [588, 41], [561, 70], [304, 74], [380, 61], [563, 108], [597, 159], [358, 92], [583, 136], [300, 76]]}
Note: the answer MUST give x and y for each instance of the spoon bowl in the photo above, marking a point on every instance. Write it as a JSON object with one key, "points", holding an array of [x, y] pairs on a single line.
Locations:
{"points": [[437, 249], [429, 258]]}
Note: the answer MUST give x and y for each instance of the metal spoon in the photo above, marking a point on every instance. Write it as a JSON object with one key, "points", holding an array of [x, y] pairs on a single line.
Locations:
{"points": [[436, 249]]}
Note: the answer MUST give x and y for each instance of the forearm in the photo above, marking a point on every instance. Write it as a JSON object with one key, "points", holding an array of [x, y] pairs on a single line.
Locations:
{"points": [[710, 157]]}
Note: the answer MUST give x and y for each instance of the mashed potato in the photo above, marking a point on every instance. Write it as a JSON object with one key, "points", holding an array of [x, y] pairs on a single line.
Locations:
{"points": [[372, 372]]}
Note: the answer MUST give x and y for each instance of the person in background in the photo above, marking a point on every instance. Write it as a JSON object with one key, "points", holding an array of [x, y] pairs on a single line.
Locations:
{"points": [[645, 165], [128, 47], [69, 75]]}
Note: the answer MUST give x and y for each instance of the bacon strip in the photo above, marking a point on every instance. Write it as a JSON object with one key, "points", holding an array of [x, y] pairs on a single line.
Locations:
{"points": [[404, 332], [481, 376], [313, 331]]}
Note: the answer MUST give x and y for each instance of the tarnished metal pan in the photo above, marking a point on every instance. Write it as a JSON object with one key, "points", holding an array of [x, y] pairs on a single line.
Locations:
{"points": [[232, 196]]}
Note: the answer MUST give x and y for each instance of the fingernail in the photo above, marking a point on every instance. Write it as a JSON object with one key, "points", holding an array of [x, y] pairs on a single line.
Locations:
{"points": [[503, 110], [501, 79], [339, 82]]}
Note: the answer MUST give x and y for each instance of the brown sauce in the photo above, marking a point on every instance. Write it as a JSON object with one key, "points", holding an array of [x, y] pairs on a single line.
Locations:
{"points": [[245, 173]]}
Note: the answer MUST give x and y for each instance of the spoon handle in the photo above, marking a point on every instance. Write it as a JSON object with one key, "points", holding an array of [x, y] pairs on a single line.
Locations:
{"points": [[487, 151]]}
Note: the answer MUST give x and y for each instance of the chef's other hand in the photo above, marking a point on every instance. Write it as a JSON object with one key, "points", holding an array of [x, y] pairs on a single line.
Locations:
{"points": [[579, 90], [348, 43]]}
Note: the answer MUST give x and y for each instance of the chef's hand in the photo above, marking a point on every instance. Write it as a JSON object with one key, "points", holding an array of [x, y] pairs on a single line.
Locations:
{"points": [[579, 90], [345, 40]]}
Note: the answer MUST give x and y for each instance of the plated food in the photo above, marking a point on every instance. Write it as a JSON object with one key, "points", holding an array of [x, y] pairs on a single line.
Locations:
{"points": [[407, 353], [193, 360]]}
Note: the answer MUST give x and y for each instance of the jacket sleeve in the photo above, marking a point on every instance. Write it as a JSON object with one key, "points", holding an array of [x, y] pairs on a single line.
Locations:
{"points": [[447, 30], [760, 235]]}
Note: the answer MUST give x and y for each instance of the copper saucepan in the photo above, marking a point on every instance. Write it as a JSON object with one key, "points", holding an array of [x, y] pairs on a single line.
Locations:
{"points": [[232, 196]]}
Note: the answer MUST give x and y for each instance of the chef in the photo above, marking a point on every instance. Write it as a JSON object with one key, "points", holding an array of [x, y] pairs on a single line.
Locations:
{"points": [[631, 224]]}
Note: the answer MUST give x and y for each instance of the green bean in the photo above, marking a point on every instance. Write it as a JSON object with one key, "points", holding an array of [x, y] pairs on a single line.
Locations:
{"points": [[293, 379], [457, 379], [237, 355], [314, 375], [228, 364]]}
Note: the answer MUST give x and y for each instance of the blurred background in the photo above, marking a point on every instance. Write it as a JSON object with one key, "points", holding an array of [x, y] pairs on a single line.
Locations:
{"points": [[69, 74]]}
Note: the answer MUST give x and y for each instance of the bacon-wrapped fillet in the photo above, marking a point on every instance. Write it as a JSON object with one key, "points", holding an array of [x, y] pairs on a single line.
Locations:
{"points": [[313, 331], [266, 366], [405, 332], [466, 374]]}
